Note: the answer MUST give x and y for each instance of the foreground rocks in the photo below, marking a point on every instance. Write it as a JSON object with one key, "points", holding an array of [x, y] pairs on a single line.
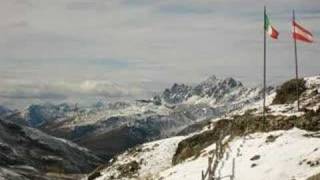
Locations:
{"points": [[244, 125]]}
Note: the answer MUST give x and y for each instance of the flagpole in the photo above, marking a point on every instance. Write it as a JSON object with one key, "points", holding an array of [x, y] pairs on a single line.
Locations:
{"points": [[296, 62], [264, 64]]}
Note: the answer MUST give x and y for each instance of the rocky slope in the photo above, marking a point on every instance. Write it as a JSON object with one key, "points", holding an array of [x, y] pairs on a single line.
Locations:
{"points": [[27, 153], [285, 145]]}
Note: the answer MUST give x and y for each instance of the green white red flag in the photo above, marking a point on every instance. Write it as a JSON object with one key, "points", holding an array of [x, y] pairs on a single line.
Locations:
{"points": [[269, 29]]}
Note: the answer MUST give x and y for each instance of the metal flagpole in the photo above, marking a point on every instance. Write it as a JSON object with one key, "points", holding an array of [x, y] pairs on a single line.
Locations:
{"points": [[296, 61], [264, 65]]}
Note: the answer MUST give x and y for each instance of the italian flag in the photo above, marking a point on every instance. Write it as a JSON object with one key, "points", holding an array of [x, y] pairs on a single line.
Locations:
{"points": [[269, 28]]}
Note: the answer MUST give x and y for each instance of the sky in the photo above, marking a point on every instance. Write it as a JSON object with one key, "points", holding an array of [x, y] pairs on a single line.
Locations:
{"points": [[81, 50]]}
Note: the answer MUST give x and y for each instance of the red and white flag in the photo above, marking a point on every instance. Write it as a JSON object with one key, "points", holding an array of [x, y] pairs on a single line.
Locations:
{"points": [[300, 33]]}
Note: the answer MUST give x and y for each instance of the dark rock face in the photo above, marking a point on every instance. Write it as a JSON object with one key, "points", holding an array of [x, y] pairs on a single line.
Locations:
{"points": [[287, 92], [129, 169], [24, 146], [156, 100], [176, 94]]}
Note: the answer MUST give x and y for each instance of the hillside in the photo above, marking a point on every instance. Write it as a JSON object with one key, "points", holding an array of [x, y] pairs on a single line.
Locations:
{"points": [[284, 146], [27, 153]]}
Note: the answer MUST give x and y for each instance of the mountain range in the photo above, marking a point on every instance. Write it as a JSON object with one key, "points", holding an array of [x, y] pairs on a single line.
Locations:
{"points": [[166, 114], [104, 130]]}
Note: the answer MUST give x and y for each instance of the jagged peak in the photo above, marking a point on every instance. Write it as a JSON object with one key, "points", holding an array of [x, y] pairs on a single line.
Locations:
{"points": [[212, 87], [213, 80], [232, 82], [177, 86]]}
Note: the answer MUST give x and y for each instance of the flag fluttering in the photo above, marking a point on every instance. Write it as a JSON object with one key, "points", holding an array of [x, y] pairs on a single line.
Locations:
{"points": [[300, 33], [270, 30]]}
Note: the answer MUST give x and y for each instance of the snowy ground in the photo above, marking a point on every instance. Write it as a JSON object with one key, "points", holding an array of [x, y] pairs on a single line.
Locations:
{"points": [[152, 157], [289, 157]]}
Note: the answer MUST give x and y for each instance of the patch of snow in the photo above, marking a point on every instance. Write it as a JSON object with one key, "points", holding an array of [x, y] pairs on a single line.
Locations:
{"points": [[87, 118], [312, 81], [152, 157], [289, 157]]}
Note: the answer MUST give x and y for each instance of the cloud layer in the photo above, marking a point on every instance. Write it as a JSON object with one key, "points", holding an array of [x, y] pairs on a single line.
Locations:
{"points": [[56, 49]]}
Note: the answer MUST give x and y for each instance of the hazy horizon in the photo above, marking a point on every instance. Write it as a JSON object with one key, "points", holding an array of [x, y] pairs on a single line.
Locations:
{"points": [[74, 50]]}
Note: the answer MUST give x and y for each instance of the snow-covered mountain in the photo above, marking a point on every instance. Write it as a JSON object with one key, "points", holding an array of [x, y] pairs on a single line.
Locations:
{"points": [[165, 115], [213, 91], [285, 146]]}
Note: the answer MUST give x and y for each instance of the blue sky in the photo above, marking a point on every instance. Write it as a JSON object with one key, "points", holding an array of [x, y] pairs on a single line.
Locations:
{"points": [[70, 49]]}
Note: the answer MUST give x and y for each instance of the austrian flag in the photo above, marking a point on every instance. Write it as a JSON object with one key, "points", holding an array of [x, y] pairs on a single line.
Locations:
{"points": [[269, 28], [300, 33]]}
